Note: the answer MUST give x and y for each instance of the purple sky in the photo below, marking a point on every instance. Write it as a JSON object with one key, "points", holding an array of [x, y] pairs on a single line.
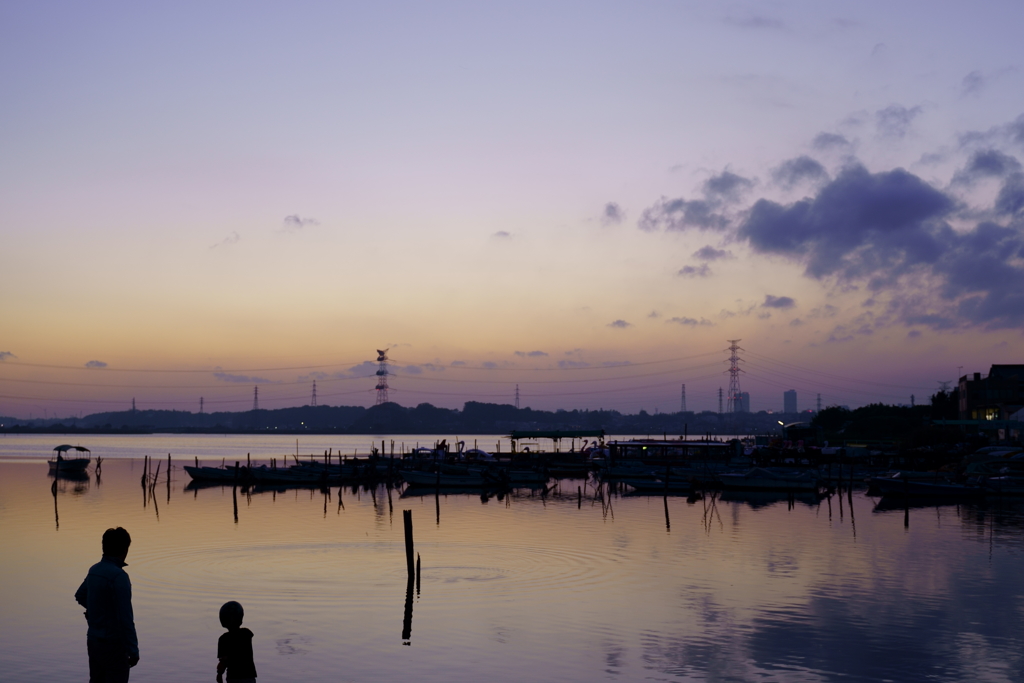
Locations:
{"points": [[586, 199]]}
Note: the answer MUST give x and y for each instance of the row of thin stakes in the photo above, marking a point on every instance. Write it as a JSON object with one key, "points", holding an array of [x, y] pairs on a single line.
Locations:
{"points": [[149, 477]]}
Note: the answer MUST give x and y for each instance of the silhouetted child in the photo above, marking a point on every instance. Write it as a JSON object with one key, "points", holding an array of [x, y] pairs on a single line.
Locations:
{"points": [[234, 649]]}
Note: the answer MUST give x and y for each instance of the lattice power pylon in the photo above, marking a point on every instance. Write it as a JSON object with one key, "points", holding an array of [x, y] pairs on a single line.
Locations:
{"points": [[517, 397], [256, 397], [734, 376], [382, 376], [312, 401]]}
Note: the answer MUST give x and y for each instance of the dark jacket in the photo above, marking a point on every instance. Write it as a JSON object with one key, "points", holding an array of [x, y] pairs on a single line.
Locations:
{"points": [[106, 595]]}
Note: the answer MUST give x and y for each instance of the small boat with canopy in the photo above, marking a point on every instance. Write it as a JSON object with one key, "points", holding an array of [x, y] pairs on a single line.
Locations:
{"points": [[62, 463]]}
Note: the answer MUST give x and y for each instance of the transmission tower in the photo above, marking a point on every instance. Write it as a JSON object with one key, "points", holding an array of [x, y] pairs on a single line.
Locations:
{"points": [[944, 386], [735, 402], [819, 403], [256, 397], [719, 400], [200, 405], [382, 376], [682, 401], [313, 400], [517, 397], [133, 404]]}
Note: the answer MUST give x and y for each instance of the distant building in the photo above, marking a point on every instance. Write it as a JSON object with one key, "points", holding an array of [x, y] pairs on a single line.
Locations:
{"points": [[743, 403], [789, 401], [994, 397]]}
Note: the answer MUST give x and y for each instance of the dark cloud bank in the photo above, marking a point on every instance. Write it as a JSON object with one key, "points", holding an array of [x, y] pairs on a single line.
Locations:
{"points": [[921, 254]]}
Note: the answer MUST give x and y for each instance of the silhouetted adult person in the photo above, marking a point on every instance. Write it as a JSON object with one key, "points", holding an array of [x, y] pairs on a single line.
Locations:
{"points": [[106, 595]]}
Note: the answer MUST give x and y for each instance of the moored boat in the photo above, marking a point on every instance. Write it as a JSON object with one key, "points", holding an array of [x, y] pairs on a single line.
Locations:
{"points": [[762, 479], [900, 487], [657, 486], [445, 480], [65, 465]]}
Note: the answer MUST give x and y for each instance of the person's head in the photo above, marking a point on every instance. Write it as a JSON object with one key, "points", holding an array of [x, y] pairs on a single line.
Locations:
{"points": [[116, 542], [231, 614]]}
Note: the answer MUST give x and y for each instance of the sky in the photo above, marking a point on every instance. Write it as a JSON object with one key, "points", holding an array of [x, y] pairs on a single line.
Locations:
{"points": [[587, 200]]}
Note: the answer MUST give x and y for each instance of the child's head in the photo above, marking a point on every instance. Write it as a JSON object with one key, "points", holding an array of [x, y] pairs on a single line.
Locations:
{"points": [[231, 614]]}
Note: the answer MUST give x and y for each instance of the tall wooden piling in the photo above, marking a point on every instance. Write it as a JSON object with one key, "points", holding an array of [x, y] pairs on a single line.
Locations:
{"points": [[407, 518]]}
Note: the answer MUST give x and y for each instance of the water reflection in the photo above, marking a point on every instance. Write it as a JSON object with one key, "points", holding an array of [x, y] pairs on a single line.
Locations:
{"points": [[724, 587]]}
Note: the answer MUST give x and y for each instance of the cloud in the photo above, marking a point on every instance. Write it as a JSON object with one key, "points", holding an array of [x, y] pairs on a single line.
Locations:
{"points": [[490, 365], [826, 311], [726, 187], [458, 363], [654, 314], [233, 238], [615, 363], [913, 334], [502, 235], [781, 302], [1010, 201], [531, 354], [680, 214], [972, 83], [4, 355], [573, 364], [709, 253], [690, 322], [612, 214], [365, 369], [695, 271], [433, 367], [620, 324], [796, 322], [986, 163], [412, 370], [241, 379], [829, 141], [860, 224], [95, 364], [294, 223], [802, 169], [894, 121]]}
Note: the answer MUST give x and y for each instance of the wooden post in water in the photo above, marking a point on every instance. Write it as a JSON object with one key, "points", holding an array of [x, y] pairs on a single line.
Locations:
{"points": [[407, 518], [417, 573]]}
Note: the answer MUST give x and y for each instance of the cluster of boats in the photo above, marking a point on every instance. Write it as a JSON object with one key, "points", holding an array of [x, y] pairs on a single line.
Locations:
{"points": [[642, 465]]}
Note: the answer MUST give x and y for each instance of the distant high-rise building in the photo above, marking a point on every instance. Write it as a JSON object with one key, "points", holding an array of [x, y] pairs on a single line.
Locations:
{"points": [[789, 401], [743, 402]]}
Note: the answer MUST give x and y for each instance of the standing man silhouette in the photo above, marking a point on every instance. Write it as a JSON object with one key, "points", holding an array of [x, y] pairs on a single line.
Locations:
{"points": [[106, 595]]}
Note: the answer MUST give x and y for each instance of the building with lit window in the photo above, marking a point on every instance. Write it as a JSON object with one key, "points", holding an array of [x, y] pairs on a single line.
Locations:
{"points": [[994, 397]]}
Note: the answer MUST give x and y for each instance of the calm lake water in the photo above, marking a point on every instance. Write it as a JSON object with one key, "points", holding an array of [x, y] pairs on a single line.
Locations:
{"points": [[532, 586]]}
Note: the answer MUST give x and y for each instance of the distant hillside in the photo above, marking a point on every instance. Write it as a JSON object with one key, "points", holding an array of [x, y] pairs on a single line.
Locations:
{"points": [[391, 418]]}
